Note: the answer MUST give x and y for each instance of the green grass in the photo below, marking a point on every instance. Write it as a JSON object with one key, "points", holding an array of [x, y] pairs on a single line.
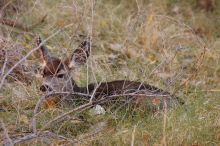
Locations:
{"points": [[130, 39]]}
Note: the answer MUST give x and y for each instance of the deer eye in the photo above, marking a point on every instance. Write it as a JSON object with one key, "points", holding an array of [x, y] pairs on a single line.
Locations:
{"points": [[60, 75]]}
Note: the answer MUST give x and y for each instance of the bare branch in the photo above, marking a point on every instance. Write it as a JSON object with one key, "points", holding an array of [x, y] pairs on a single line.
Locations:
{"points": [[7, 139], [29, 53], [18, 25], [133, 135], [46, 134], [4, 65], [25, 138], [34, 125], [93, 103], [164, 143], [94, 91]]}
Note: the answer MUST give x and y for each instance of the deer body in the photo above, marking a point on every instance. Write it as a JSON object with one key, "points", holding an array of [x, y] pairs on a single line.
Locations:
{"points": [[118, 87], [56, 77]]}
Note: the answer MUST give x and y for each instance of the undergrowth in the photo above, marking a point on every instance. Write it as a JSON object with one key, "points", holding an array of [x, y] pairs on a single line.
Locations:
{"points": [[170, 44]]}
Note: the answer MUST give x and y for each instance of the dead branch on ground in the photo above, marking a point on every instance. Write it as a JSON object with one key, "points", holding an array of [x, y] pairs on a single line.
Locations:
{"points": [[18, 25]]}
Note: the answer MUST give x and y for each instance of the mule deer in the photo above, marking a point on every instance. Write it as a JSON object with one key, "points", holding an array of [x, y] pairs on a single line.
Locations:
{"points": [[57, 78]]}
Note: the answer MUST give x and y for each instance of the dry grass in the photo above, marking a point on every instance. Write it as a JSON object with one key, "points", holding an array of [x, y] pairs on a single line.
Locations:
{"points": [[170, 44]]}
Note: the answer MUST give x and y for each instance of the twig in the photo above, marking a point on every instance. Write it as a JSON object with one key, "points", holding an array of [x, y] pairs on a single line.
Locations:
{"points": [[25, 138], [200, 40], [42, 134], [138, 7], [29, 53], [211, 90], [94, 91], [91, 104], [12, 23], [199, 62], [133, 135], [78, 109], [128, 101], [45, 97], [34, 124], [18, 25], [7, 139], [114, 95], [88, 136], [66, 94], [5, 63], [164, 143]]}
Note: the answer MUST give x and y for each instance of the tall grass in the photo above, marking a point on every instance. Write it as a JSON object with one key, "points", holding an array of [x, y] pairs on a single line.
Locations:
{"points": [[170, 44]]}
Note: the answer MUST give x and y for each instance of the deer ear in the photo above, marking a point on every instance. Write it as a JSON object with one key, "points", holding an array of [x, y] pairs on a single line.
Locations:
{"points": [[80, 55], [43, 50]]}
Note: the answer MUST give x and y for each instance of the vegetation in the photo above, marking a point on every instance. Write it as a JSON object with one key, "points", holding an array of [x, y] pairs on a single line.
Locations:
{"points": [[172, 44]]}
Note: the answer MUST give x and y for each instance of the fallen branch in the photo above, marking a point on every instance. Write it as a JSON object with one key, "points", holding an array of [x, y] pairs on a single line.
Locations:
{"points": [[42, 98], [92, 103], [25, 138], [15, 24], [45, 134]]}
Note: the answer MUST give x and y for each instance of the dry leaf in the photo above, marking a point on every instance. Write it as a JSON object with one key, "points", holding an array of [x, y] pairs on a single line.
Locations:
{"points": [[156, 101], [24, 119], [51, 102], [152, 59]]}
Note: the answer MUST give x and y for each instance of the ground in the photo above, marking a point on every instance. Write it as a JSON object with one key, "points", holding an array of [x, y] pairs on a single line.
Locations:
{"points": [[172, 44]]}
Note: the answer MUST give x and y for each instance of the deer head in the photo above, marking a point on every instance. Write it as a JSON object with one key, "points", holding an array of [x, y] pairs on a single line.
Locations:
{"points": [[56, 71]]}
